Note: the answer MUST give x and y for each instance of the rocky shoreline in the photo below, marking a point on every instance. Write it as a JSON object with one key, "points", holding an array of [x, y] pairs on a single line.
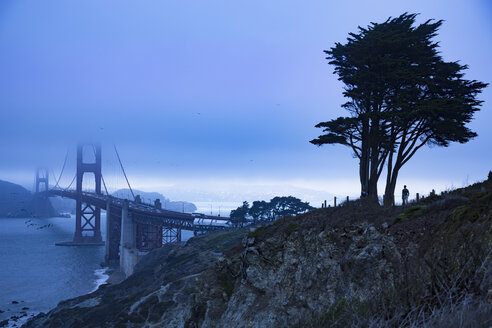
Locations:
{"points": [[22, 315], [18, 317], [115, 276]]}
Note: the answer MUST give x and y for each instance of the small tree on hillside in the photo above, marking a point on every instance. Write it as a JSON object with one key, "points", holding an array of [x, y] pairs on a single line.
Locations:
{"points": [[269, 211], [238, 216], [288, 206]]}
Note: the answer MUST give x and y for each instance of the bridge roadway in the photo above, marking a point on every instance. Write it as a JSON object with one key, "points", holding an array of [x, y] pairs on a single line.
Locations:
{"points": [[148, 214]]}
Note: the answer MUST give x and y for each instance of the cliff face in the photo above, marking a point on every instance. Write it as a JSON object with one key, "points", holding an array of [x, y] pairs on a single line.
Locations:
{"points": [[294, 277], [351, 266]]}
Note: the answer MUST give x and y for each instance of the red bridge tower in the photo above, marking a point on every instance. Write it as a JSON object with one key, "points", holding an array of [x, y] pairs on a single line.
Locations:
{"points": [[88, 217], [42, 205]]}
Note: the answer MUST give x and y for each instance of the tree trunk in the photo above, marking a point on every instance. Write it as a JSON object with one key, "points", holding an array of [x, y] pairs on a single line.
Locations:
{"points": [[373, 158], [364, 161], [364, 177], [388, 199], [389, 191], [389, 194], [373, 190]]}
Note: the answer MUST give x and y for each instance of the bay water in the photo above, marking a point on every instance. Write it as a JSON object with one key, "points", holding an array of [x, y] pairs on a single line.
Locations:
{"points": [[35, 275]]}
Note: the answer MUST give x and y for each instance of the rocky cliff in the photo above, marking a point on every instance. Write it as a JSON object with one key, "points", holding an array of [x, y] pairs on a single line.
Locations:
{"points": [[352, 266]]}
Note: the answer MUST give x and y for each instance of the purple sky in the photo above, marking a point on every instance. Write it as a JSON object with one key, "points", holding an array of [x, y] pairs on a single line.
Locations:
{"points": [[211, 98]]}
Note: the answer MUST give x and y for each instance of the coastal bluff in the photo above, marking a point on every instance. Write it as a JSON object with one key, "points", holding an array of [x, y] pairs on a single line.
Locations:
{"points": [[357, 265]]}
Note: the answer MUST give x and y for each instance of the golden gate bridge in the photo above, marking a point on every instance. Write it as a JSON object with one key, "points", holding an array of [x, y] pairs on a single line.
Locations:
{"points": [[133, 228]]}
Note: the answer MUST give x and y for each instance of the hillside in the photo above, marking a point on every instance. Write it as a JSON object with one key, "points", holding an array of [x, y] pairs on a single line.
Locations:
{"points": [[15, 200], [351, 266]]}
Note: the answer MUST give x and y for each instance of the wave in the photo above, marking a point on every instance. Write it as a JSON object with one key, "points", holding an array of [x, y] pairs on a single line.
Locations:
{"points": [[101, 278]]}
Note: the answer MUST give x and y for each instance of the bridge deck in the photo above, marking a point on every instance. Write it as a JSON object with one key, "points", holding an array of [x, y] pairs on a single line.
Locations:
{"points": [[148, 214]]}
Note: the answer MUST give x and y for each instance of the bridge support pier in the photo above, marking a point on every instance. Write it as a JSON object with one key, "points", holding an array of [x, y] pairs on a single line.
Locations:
{"points": [[108, 229], [113, 234], [128, 253]]}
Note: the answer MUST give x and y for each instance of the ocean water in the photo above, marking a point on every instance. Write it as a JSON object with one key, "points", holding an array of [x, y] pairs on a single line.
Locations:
{"points": [[35, 275]]}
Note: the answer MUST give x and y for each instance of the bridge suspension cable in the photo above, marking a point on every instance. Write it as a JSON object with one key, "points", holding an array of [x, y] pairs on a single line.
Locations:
{"points": [[104, 184], [74, 177], [52, 172], [123, 169], [61, 172], [102, 178]]}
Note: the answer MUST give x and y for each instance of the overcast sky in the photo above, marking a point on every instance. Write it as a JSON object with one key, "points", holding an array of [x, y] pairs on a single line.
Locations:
{"points": [[212, 98]]}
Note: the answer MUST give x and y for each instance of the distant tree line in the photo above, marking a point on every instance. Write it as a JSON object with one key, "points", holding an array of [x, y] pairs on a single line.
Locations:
{"points": [[276, 208]]}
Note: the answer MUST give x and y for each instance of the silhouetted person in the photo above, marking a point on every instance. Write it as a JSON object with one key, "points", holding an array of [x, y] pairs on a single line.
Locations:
{"points": [[404, 195]]}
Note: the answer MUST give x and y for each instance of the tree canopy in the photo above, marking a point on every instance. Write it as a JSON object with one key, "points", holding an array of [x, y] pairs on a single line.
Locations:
{"points": [[238, 216], [269, 211], [401, 96]]}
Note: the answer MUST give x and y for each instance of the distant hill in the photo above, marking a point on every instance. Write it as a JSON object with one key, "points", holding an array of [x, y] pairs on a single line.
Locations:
{"points": [[150, 197], [15, 200]]}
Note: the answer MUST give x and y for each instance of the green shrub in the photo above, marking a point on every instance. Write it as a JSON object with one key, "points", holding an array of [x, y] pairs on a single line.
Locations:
{"points": [[291, 227], [258, 232], [411, 213]]}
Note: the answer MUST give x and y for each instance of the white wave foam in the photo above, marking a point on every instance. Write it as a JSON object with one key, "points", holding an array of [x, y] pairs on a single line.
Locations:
{"points": [[101, 278], [21, 319]]}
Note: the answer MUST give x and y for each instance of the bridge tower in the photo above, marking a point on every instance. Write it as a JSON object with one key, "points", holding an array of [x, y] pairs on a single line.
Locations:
{"points": [[87, 216], [42, 205], [42, 178]]}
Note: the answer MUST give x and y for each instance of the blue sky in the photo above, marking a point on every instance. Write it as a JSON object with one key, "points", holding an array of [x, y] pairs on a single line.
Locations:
{"points": [[212, 98]]}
